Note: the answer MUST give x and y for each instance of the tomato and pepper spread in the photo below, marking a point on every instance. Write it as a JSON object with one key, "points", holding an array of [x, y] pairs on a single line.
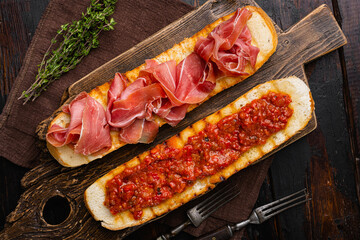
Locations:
{"points": [[168, 170]]}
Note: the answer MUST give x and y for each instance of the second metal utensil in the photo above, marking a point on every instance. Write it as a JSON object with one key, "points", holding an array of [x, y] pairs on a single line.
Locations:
{"points": [[259, 215]]}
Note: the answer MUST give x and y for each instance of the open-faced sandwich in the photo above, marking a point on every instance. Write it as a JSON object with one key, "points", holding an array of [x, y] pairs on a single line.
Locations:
{"points": [[131, 107], [203, 154]]}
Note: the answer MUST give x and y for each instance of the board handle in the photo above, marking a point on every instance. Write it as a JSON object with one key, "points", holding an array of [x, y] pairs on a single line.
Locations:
{"points": [[315, 35]]}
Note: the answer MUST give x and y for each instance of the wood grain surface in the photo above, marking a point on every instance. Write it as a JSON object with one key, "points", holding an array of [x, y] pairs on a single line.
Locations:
{"points": [[324, 161]]}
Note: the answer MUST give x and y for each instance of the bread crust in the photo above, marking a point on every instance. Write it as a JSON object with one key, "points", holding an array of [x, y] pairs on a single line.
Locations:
{"points": [[263, 36], [303, 106]]}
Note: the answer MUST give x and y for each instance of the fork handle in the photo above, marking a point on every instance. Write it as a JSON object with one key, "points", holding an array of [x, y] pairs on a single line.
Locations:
{"points": [[224, 233], [175, 231]]}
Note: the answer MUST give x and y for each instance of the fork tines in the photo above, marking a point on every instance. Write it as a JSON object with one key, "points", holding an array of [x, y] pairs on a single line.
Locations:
{"points": [[221, 196], [269, 210]]}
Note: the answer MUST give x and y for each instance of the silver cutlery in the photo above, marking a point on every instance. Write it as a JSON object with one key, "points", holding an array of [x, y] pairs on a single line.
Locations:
{"points": [[201, 211], [259, 215]]}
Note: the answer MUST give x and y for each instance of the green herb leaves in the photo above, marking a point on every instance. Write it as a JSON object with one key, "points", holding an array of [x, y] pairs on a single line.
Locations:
{"points": [[78, 38]]}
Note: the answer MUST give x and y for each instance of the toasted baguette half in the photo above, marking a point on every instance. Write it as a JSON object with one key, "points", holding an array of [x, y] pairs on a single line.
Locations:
{"points": [[263, 36], [303, 106]]}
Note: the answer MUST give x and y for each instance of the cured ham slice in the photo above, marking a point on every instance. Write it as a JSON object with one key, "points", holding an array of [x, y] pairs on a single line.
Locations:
{"points": [[233, 62], [172, 115], [88, 130], [141, 130], [125, 105], [118, 85], [165, 89], [165, 74], [195, 79], [130, 108], [59, 136], [189, 82], [229, 45]]}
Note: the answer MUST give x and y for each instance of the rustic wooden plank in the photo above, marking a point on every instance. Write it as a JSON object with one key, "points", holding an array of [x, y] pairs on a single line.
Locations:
{"points": [[331, 164], [350, 20], [350, 65]]}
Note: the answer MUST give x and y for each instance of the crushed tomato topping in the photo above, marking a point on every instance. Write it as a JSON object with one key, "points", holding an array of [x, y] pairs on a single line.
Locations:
{"points": [[167, 170]]}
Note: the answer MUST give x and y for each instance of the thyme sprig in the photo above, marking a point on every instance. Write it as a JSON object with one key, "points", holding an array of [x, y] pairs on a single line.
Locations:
{"points": [[78, 38]]}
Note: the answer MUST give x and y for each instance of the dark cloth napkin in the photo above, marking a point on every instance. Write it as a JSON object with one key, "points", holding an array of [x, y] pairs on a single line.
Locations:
{"points": [[136, 20]]}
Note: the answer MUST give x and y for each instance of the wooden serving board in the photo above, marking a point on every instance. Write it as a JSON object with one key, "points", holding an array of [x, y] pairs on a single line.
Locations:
{"points": [[315, 35]]}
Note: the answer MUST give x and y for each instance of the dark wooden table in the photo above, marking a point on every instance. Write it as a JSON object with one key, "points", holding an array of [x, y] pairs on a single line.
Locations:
{"points": [[326, 161]]}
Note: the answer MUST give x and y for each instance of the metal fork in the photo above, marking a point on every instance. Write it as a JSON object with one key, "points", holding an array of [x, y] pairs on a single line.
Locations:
{"points": [[260, 214], [201, 211]]}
